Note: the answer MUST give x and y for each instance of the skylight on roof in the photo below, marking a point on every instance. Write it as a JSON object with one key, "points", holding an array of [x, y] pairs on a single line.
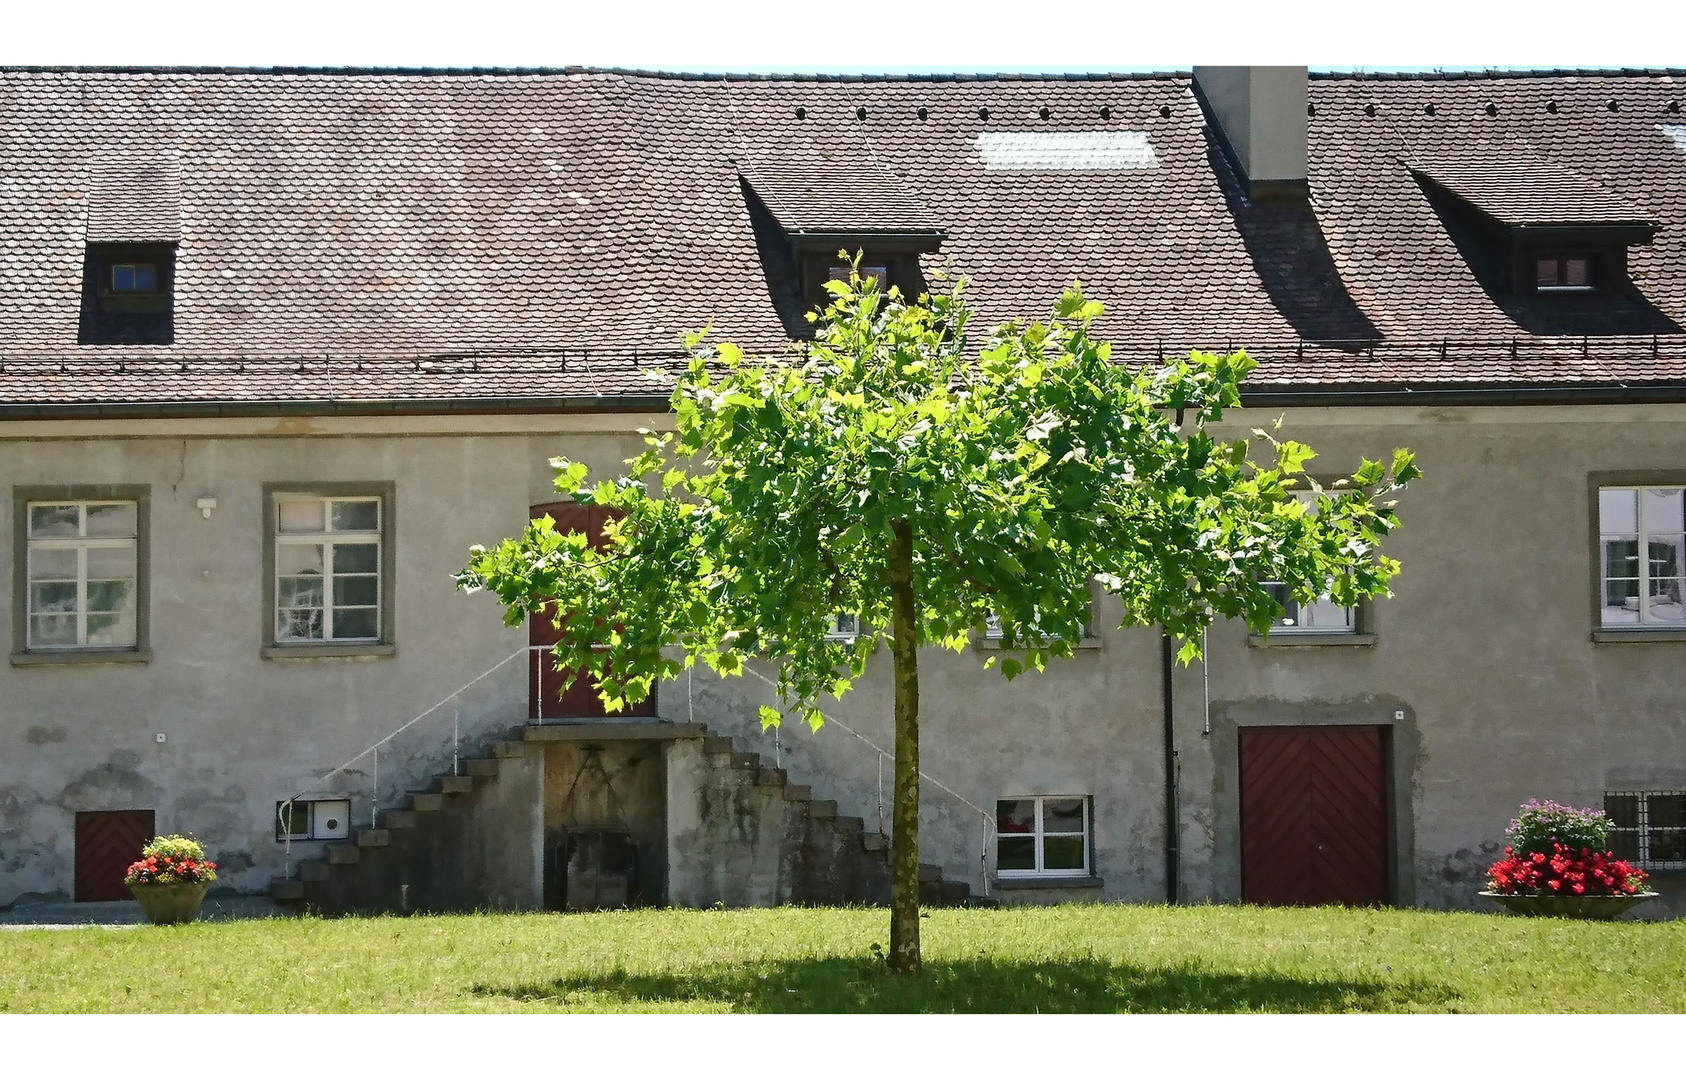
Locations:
{"points": [[1066, 151], [1677, 132]]}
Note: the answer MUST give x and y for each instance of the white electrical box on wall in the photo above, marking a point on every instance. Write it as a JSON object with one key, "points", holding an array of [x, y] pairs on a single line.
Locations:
{"points": [[330, 820]]}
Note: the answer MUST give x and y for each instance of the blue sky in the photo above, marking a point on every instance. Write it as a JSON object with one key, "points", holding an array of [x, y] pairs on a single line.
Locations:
{"points": [[862, 36]]}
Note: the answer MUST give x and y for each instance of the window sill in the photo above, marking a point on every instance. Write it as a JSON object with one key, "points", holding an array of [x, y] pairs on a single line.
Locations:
{"points": [[323, 652], [1082, 882], [1279, 641], [1639, 635], [82, 656], [994, 645]]}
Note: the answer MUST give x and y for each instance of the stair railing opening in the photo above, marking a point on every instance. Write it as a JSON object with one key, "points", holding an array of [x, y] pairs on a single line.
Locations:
{"points": [[285, 821]]}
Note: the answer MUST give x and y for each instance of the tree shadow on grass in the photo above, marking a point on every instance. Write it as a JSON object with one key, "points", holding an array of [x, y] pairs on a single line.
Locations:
{"points": [[979, 986]]}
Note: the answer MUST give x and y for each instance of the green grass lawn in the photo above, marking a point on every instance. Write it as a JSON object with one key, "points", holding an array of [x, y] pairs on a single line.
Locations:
{"points": [[1111, 958]]}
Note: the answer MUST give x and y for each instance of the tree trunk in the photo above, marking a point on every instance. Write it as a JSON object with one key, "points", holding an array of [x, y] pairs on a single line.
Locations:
{"points": [[904, 813]]}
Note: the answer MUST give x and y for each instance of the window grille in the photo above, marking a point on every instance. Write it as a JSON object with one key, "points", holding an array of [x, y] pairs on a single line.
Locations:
{"points": [[1648, 828]]}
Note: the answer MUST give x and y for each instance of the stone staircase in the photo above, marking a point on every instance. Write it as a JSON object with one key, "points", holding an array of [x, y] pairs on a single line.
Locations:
{"points": [[437, 852]]}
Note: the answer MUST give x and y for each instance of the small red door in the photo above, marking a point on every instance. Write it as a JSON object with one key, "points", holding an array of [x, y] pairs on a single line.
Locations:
{"points": [[107, 841], [1314, 815], [546, 700]]}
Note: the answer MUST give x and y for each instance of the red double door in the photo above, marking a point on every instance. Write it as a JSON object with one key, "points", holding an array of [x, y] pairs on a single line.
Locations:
{"points": [[1314, 815], [546, 700]]}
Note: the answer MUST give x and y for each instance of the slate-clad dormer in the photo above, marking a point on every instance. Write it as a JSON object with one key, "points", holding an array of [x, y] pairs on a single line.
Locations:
{"points": [[129, 261]]}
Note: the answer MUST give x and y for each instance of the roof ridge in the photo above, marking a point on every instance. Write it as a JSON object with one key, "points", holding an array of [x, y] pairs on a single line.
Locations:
{"points": [[578, 69], [1472, 75]]}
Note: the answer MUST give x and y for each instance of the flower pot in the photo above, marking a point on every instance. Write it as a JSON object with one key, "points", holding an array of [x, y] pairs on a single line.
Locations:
{"points": [[166, 904], [1568, 907]]}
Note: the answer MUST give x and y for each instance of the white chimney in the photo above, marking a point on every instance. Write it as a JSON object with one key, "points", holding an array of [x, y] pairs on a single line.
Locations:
{"points": [[1261, 117]]}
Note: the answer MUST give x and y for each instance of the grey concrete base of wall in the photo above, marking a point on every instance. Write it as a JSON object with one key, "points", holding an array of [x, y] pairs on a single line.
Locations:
{"points": [[739, 836]]}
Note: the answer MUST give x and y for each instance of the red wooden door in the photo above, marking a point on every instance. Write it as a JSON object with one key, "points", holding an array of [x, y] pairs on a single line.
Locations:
{"points": [[1314, 815], [107, 841], [546, 699]]}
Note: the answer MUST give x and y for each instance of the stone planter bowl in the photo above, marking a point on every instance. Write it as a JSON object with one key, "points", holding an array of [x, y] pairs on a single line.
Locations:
{"points": [[1569, 907], [168, 904]]}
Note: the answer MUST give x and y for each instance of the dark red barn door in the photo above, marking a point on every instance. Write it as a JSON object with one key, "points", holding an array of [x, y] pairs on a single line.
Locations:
{"points": [[107, 841], [1314, 815], [546, 700]]}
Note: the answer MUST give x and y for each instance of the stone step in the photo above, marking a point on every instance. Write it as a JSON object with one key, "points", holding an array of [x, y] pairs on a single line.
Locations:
{"points": [[798, 792], [851, 825], [875, 841], [456, 785], [771, 777], [398, 819], [340, 854], [482, 766], [822, 808], [286, 890], [425, 802], [368, 838], [715, 744], [313, 870]]}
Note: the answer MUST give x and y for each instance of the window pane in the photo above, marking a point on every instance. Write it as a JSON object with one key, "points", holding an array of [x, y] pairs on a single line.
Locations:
{"points": [[146, 277], [1664, 603], [51, 521], [298, 624], [359, 515], [1325, 615], [330, 819], [51, 596], [360, 591], [109, 563], [49, 630], [1621, 580], [111, 519], [1062, 853], [1015, 853], [1545, 272], [1623, 812], [52, 564], [356, 558], [1575, 273], [1015, 816], [299, 592], [298, 559], [1665, 510], [1618, 511], [356, 623], [300, 515], [123, 277], [113, 595], [112, 630], [292, 820], [1062, 815]]}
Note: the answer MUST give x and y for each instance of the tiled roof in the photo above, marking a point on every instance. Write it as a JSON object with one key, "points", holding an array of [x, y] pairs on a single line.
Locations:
{"points": [[134, 198], [331, 219], [835, 185], [1516, 187]]}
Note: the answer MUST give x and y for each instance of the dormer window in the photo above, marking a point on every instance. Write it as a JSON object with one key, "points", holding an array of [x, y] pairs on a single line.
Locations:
{"points": [[134, 278], [1563, 273], [879, 274]]}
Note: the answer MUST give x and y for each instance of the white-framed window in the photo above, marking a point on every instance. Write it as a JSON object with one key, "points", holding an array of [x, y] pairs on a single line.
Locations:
{"points": [[1648, 827], [328, 553], [313, 819], [82, 574], [1321, 616], [1042, 836], [844, 628], [134, 277], [1637, 592]]}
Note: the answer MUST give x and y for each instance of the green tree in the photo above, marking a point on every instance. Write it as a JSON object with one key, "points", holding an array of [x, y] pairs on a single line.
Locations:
{"points": [[891, 471]]}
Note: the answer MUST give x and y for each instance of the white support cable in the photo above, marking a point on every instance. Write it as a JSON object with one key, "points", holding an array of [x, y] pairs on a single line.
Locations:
{"points": [[400, 729]]}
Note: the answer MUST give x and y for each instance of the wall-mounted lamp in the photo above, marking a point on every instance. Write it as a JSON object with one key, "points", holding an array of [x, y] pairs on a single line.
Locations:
{"points": [[206, 505]]}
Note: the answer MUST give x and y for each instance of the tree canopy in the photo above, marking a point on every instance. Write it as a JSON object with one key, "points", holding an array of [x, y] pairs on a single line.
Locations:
{"points": [[902, 469]]}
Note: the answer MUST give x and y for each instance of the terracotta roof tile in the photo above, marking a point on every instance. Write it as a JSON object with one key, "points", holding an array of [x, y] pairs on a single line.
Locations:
{"points": [[506, 219]]}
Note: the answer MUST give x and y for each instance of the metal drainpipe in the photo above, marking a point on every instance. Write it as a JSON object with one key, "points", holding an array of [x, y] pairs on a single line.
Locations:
{"points": [[1172, 885]]}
